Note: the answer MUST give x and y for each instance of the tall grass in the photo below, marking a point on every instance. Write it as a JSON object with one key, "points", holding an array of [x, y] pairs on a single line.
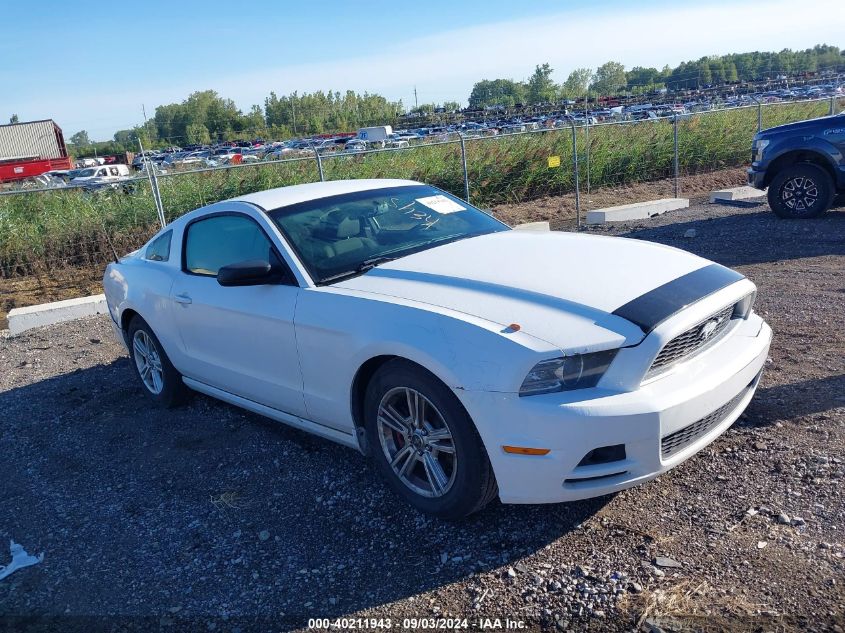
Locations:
{"points": [[43, 231]]}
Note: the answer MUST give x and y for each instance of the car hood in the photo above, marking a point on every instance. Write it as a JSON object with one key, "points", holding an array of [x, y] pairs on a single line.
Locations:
{"points": [[798, 126], [559, 287]]}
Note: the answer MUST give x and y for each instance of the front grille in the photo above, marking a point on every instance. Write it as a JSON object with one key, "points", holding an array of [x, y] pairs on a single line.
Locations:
{"points": [[680, 439], [693, 340]]}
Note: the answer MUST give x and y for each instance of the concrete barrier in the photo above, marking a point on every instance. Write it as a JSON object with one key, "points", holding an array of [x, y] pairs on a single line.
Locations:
{"points": [[22, 319], [736, 193], [533, 226], [636, 211]]}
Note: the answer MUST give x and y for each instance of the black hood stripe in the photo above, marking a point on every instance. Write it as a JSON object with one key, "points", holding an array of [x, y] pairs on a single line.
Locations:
{"points": [[655, 306]]}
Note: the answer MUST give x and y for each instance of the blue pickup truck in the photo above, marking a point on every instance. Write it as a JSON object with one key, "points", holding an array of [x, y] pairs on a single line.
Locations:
{"points": [[802, 164]]}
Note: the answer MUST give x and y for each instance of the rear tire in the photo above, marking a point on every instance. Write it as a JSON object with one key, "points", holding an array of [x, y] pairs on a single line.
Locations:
{"points": [[159, 378], [801, 190], [424, 443]]}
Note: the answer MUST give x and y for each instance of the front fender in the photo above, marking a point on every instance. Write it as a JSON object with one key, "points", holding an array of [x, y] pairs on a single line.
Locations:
{"points": [[338, 331]]}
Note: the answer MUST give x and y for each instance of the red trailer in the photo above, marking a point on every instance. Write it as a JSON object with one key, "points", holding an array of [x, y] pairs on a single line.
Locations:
{"points": [[31, 149]]}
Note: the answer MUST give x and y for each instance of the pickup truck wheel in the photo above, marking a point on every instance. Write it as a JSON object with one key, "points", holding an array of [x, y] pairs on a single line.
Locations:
{"points": [[802, 190], [159, 378], [425, 444]]}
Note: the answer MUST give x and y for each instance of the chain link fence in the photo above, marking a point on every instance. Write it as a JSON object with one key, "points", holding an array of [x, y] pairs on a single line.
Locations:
{"points": [[55, 242], [437, 163], [188, 190], [612, 155]]}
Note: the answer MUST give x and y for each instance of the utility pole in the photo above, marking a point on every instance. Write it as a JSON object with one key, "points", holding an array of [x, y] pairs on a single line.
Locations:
{"points": [[144, 112], [293, 107], [416, 102]]}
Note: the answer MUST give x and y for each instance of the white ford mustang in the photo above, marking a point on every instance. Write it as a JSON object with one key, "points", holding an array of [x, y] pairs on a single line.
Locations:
{"points": [[468, 359]]}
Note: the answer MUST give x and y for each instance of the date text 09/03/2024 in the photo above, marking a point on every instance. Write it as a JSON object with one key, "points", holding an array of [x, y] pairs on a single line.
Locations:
{"points": [[416, 624]]}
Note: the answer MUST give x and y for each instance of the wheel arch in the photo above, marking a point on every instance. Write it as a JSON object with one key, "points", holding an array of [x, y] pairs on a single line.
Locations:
{"points": [[126, 318], [361, 380], [796, 156]]}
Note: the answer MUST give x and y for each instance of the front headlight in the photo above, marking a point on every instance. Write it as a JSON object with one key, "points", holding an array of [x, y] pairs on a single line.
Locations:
{"points": [[743, 308], [578, 371], [758, 146]]}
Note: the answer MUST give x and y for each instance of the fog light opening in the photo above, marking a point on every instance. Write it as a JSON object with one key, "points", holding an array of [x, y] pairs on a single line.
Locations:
{"points": [[603, 455]]}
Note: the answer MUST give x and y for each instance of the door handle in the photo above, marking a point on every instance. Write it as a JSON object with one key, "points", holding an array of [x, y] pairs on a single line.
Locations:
{"points": [[182, 298]]}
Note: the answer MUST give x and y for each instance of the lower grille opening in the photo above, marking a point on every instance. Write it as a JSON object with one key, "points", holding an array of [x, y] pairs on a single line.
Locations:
{"points": [[680, 439], [603, 455], [578, 480]]}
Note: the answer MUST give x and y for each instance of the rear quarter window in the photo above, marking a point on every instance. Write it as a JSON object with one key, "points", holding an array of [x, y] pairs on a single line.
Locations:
{"points": [[159, 248]]}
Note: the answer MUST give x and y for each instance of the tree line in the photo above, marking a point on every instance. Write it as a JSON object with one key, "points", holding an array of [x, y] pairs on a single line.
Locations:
{"points": [[611, 78], [206, 116]]}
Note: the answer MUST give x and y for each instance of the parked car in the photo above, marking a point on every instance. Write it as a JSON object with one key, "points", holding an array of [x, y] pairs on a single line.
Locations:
{"points": [[140, 159], [330, 145], [101, 176], [461, 355], [197, 159], [278, 150], [801, 164], [154, 167], [355, 145], [225, 153], [62, 176]]}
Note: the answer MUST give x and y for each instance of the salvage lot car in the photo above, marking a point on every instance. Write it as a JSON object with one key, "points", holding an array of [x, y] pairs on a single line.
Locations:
{"points": [[469, 359]]}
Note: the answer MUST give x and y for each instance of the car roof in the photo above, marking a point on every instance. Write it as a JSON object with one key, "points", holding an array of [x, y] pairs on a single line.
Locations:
{"points": [[294, 194]]}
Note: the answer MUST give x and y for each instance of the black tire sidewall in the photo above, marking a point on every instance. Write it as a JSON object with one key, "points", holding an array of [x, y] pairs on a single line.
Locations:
{"points": [[173, 390], [467, 491], [824, 183]]}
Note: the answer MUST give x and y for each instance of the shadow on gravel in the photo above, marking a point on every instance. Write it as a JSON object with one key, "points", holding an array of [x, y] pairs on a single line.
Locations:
{"points": [[753, 238], [206, 510], [795, 400]]}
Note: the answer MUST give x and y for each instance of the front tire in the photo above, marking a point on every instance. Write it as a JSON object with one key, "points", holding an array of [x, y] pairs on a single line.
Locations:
{"points": [[801, 190], [159, 378], [424, 443]]}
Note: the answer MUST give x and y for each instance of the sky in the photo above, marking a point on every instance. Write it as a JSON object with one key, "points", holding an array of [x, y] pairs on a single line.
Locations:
{"points": [[93, 65]]}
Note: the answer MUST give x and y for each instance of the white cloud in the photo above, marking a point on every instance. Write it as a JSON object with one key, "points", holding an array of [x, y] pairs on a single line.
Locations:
{"points": [[445, 64]]}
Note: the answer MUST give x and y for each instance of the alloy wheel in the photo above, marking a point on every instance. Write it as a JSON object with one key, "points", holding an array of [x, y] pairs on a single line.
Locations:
{"points": [[417, 442], [800, 193], [148, 362]]}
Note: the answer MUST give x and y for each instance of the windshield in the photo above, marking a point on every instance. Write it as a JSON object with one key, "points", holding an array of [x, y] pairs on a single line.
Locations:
{"points": [[85, 173], [344, 235]]}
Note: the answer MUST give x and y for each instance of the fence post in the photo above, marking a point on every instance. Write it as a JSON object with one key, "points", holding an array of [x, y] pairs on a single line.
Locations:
{"points": [[464, 164], [153, 186], [575, 174], [157, 195], [319, 164], [759, 114], [587, 150], [677, 170], [832, 105]]}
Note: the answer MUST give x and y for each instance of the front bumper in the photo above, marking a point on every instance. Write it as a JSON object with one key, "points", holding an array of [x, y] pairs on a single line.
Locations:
{"points": [[714, 386], [756, 179]]}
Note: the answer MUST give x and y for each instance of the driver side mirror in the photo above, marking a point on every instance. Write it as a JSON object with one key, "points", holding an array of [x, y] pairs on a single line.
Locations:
{"points": [[255, 272]]}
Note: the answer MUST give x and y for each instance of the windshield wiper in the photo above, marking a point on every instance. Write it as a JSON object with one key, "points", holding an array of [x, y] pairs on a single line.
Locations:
{"points": [[369, 264], [364, 266]]}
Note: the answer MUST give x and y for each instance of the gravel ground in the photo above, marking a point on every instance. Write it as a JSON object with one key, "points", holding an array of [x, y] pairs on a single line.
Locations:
{"points": [[208, 518]]}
